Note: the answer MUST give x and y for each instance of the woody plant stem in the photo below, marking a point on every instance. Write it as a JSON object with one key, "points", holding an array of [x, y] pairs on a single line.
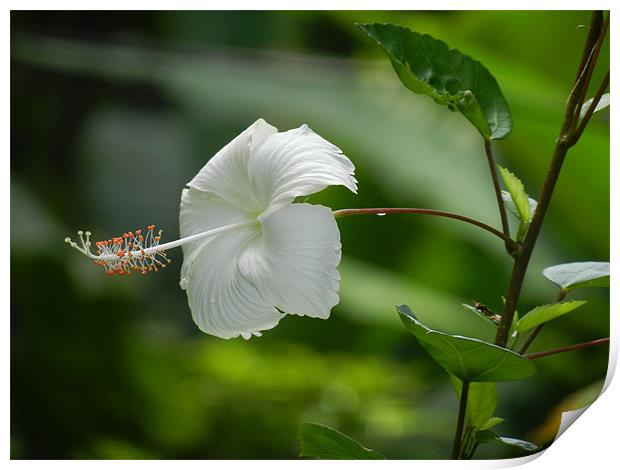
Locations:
{"points": [[568, 136]]}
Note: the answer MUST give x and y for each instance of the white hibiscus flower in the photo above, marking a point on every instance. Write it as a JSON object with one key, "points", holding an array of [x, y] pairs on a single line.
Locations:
{"points": [[251, 254]]}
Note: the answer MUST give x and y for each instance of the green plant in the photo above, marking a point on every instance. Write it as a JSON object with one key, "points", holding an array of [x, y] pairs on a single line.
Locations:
{"points": [[428, 66]]}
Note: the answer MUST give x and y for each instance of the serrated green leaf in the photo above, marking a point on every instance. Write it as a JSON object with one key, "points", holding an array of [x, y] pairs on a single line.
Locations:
{"points": [[602, 104], [490, 423], [323, 442], [481, 400], [545, 313], [429, 67], [468, 358], [517, 194], [489, 437], [571, 276], [510, 205]]}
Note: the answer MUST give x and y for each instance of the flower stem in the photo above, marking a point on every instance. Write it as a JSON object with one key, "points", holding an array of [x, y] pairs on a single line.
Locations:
{"points": [[414, 210], [564, 142], [572, 347], [460, 423]]}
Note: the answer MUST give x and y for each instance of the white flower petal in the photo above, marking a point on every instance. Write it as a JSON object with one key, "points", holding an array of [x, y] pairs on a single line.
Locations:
{"points": [[202, 211], [293, 263], [223, 303], [284, 257], [295, 163], [226, 173]]}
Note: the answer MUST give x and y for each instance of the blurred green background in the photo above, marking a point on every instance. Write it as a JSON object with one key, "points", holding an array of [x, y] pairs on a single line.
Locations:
{"points": [[112, 113]]}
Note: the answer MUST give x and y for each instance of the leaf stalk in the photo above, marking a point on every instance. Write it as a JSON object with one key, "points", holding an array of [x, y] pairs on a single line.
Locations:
{"points": [[572, 347], [498, 193]]}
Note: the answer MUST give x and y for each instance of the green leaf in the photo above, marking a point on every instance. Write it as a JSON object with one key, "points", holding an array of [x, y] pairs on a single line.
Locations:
{"points": [[481, 400], [490, 423], [517, 194], [429, 67], [546, 313], [510, 205], [571, 276], [323, 442], [602, 104], [468, 358], [489, 437]]}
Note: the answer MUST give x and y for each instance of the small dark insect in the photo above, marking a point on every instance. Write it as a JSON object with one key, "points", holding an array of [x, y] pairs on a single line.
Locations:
{"points": [[487, 312]]}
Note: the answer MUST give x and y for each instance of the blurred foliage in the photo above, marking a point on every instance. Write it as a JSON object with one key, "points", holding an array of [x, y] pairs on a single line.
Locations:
{"points": [[112, 113]]}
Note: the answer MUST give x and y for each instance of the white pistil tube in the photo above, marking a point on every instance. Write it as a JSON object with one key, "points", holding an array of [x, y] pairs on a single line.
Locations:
{"points": [[135, 252]]}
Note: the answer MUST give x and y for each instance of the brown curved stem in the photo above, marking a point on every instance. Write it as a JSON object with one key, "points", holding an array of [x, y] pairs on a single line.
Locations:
{"points": [[572, 347], [415, 210]]}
